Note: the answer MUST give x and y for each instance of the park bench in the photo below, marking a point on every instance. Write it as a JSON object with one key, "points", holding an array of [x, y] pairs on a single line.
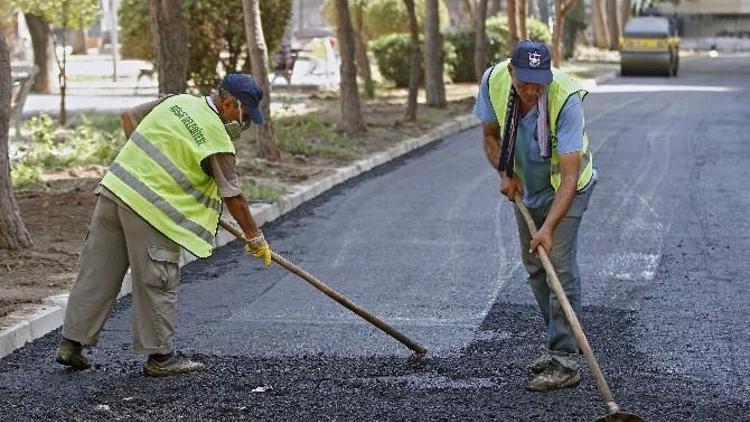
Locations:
{"points": [[22, 79]]}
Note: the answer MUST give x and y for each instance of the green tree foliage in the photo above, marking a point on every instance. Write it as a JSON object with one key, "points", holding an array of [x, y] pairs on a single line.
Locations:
{"points": [[74, 14], [216, 35], [498, 39], [462, 67], [392, 54], [384, 17]]}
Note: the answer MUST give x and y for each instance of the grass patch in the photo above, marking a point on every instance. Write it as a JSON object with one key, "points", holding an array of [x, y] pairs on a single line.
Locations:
{"points": [[86, 141], [255, 192], [312, 135]]}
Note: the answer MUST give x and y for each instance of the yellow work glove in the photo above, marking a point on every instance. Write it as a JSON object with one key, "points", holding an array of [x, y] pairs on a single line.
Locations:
{"points": [[258, 247]]}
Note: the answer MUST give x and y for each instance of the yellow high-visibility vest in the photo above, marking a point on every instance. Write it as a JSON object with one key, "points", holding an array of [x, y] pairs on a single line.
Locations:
{"points": [[558, 91], [159, 173]]}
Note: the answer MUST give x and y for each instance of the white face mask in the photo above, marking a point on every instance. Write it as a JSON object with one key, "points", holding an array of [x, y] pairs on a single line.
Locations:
{"points": [[234, 128]]}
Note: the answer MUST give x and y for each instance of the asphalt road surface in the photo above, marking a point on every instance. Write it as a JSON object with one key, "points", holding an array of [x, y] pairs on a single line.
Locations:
{"points": [[427, 244]]}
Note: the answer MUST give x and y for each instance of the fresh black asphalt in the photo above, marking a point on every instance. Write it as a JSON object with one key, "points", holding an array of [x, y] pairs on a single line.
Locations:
{"points": [[427, 244]]}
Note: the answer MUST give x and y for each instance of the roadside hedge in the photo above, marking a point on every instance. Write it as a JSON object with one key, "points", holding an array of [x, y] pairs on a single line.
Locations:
{"points": [[392, 53]]}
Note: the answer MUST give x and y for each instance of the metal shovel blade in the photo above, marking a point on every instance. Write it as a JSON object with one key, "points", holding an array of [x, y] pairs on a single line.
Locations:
{"points": [[620, 417]]}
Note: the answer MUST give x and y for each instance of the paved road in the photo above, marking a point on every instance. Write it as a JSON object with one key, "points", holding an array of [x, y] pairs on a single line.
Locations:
{"points": [[427, 244]]}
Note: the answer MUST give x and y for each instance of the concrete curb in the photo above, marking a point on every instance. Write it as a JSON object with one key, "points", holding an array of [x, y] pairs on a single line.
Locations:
{"points": [[50, 314]]}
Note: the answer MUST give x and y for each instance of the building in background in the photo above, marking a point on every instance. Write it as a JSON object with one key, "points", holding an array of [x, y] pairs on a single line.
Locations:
{"points": [[705, 23]]}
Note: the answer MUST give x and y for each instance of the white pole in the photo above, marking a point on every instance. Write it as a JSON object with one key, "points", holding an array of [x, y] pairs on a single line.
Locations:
{"points": [[114, 6]]}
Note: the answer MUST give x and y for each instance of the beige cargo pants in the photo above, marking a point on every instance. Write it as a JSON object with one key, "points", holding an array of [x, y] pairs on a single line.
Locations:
{"points": [[119, 238]]}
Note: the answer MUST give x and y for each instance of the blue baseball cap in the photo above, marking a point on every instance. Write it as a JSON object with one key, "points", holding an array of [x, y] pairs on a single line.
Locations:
{"points": [[247, 91], [532, 62]]}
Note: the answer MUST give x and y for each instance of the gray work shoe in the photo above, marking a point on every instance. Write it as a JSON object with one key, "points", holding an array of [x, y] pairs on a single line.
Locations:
{"points": [[553, 378], [174, 365], [541, 363], [70, 353]]}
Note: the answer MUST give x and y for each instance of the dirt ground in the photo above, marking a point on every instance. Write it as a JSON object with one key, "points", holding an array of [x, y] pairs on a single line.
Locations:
{"points": [[57, 214]]}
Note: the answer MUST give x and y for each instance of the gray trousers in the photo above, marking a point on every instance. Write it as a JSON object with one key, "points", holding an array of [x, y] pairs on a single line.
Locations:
{"points": [[562, 343], [117, 239]]}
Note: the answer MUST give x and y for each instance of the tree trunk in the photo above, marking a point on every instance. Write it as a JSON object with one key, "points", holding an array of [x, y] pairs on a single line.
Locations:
{"points": [[512, 24], [613, 25], [13, 233], [467, 16], [480, 40], [544, 15], [624, 15], [351, 112], [598, 18], [522, 19], [256, 45], [170, 45], [493, 8], [62, 77], [533, 7], [40, 42], [360, 49], [561, 8], [434, 84], [78, 37], [414, 73]]}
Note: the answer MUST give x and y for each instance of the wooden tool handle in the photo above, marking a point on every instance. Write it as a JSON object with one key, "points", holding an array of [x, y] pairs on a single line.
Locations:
{"points": [[333, 294], [554, 283]]}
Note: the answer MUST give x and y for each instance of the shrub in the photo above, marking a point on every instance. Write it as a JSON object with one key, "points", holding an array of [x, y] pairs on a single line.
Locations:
{"points": [[87, 142], [383, 17], [393, 54], [462, 68], [214, 27], [498, 40], [536, 30]]}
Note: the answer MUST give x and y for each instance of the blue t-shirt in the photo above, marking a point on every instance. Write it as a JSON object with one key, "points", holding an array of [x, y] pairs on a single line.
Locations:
{"points": [[533, 170]]}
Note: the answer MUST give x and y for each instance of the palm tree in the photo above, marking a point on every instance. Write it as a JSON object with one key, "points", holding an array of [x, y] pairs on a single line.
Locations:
{"points": [[13, 233], [170, 45], [561, 8], [480, 40], [351, 112], [411, 105], [256, 44], [434, 84]]}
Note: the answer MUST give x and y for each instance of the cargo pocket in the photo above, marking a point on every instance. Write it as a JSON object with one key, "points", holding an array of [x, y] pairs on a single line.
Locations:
{"points": [[166, 265]]}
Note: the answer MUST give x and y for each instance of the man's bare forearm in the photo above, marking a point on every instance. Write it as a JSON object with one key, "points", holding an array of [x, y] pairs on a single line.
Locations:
{"points": [[491, 147], [569, 165], [127, 124], [237, 206]]}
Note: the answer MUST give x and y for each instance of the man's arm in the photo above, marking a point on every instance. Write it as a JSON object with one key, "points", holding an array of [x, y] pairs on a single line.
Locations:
{"points": [[237, 206], [491, 148], [569, 165], [131, 117], [127, 124]]}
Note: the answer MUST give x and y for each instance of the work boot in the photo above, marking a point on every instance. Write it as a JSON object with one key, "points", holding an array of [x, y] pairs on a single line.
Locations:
{"points": [[554, 377], [70, 353], [170, 364], [541, 363]]}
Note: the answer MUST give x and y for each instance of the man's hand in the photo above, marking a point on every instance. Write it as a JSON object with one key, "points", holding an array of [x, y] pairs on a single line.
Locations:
{"points": [[258, 247], [542, 237], [511, 187]]}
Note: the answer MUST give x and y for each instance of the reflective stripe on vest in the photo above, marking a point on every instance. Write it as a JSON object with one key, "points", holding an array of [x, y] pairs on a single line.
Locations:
{"points": [[154, 198], [158, 172], [173, 171], [558, 92]]}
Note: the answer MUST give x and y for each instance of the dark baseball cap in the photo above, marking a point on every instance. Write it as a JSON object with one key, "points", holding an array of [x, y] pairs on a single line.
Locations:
{"points": [[532, 62], [247, 91]]}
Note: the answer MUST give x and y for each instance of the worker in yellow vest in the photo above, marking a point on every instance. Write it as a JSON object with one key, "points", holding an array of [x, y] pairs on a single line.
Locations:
{"points": [[164, 191], [534, 136]]}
